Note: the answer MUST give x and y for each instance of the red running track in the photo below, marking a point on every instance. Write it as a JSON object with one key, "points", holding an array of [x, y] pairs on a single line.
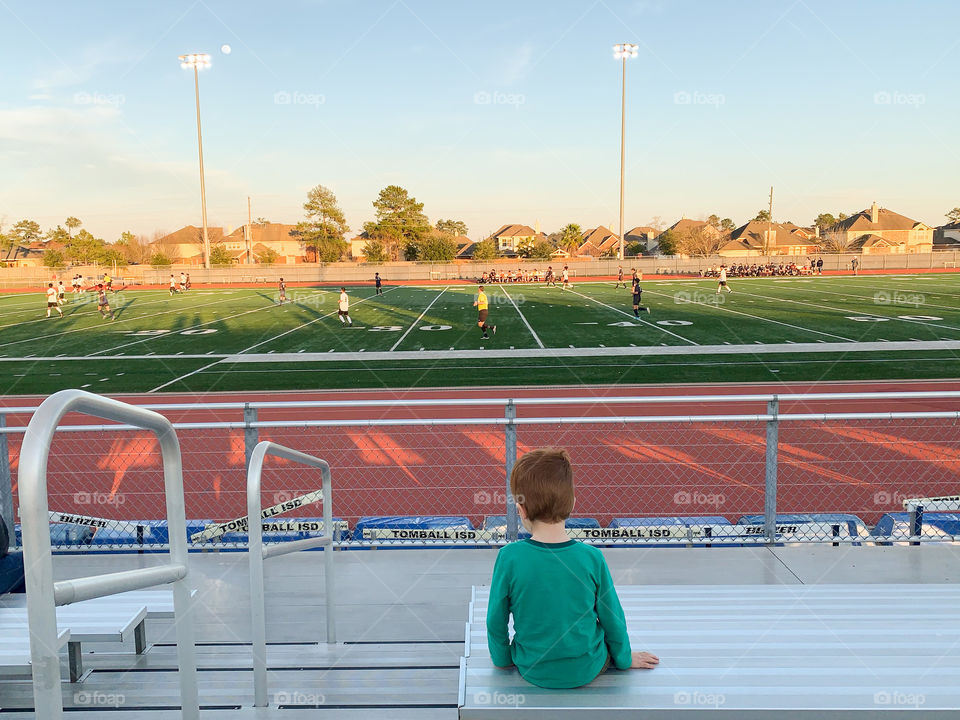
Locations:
{"points": [[672, 468]]}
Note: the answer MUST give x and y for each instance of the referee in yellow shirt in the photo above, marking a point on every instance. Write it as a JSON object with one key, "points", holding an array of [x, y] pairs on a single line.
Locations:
{"points": [[481, 304]]}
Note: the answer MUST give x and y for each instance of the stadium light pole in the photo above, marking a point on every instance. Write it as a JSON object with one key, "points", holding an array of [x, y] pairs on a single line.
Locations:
{"points": [[197, 61], [622, 51]]}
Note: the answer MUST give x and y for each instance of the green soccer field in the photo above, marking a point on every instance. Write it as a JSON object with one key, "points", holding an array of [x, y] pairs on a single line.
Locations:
{"points": [[797, 329]]}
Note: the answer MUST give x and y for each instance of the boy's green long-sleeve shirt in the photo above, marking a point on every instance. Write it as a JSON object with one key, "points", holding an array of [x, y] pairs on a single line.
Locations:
{"points": [[566, 614]]}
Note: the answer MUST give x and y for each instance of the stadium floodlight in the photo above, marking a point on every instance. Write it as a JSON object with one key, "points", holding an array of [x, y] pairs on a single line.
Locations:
{"points": [[197, 61], [622, 51]]}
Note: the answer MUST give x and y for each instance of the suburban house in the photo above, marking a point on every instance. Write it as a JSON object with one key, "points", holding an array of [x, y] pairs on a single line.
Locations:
{"points": [[185, 246], [877, 231], [759, 237], [30, 255], [947, 237], [598, 242], [510, 237], [646, 236]]}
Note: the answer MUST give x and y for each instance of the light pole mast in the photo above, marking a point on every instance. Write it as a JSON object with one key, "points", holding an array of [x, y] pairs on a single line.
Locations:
{"points": [[621, 52], [197, 61]]}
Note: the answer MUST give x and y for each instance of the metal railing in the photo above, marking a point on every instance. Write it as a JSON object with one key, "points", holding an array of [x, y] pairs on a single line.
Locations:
{"points": [[258, 552], [409, 457], [43, 595]]}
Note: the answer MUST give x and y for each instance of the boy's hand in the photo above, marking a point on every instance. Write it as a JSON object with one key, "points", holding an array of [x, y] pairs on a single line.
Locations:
{"points": [[644, 661]]}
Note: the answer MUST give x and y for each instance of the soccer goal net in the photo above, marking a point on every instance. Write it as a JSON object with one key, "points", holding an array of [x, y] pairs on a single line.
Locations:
{"points": [[436, 275]]}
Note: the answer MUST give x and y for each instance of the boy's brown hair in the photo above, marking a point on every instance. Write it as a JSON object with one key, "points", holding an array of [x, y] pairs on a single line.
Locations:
{"points": [[542, 481]]}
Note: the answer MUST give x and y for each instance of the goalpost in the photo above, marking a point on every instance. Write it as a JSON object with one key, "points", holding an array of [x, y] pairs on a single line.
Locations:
{"points": [[436, 275]]}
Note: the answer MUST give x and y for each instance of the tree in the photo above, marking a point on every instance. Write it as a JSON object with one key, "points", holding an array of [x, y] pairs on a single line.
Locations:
{"points": [[135, 248], [57, 234], [714, 220], [700, 241], [324, 229], [112, 256], [486, 250], [542, 250], [452, 227], [268, 256], [375, 251], [399, 216], [53, 259], [261, 221], [72, 224], [842, 216], [83, 248], [824, 220], [525, 248], [220, 256], [667, 243], [159, 259], [763, 216], [835, 243], [634, 248], [727, 225], [25, 231], [570, 238], [437, 248], [954, 215]]}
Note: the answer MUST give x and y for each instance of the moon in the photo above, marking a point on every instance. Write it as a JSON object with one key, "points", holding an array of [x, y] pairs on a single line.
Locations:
{"points": [[225, 49]]}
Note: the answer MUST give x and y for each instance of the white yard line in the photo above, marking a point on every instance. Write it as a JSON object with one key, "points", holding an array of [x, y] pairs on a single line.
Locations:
{"points": [[184, 377], [322, 317], [618, 310], [755, 317], [522, 317], [418, 319]]}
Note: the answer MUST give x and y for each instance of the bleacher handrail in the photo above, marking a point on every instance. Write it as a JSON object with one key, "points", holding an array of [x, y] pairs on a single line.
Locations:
{"points": [[43, 595], [258, 553]]}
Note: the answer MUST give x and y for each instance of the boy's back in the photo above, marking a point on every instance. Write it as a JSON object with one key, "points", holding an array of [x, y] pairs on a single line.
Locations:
{"points": [[568, 622]]}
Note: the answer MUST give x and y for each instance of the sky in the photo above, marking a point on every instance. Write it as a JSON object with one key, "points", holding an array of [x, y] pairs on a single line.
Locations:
{"points": [[489, 112]]}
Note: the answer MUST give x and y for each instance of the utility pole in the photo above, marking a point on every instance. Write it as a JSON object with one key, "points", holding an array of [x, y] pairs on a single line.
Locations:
{"points": [[769, 223], [249, 233]]}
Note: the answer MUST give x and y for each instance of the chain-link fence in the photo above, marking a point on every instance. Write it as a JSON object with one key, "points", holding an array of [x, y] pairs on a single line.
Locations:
{"points": [[440, 477]]}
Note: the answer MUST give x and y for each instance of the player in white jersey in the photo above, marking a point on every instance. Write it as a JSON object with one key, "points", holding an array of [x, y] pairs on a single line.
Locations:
{"points": [[722, 280], [61, 291], [343, 313], [173, 285], [52, 300], [565, 278]]}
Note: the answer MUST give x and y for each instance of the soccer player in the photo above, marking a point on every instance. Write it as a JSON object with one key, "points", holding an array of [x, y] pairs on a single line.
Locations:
{"points": [[61, 291], [549, 278], [103, 305], [173, 285], [343, 314], [379, 282], [620, 280], [183, 281], [481, 303], [282, 287], [722, 280], [565, 278], [637, 307], [52, 300], [108, 281], [188, 281]]}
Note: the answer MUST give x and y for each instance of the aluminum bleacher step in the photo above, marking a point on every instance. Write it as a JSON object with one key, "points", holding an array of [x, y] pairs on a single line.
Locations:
{"points": [[789, 651]]}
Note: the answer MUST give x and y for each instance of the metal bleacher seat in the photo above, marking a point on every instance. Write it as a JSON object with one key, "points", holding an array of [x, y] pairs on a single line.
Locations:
{"points": [[820, 652], [894, 526], [415, 528], [15, 651], [813, 526]]}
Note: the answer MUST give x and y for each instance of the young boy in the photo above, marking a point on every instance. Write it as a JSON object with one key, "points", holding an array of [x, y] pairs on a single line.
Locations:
{"points": [[482, 304], [722, 280], [343, 313], [52, 300], [61, 291], [620, 278], [568, 622], [637, 293], [103, 305], [565, 278], [282, 289], [173, 286], [379, 281]]}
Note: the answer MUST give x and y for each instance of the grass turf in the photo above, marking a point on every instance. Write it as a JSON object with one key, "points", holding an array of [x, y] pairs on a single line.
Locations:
{"points": [[116, 356]]}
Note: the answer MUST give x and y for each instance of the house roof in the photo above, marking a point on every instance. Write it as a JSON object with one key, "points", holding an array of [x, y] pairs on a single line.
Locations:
{"points": [[687, 224], [785, 234], [265, 233], [886, 220], [871, 240], [598, 235], [588, 248], [514, 230], [192, 234], [640, 231]]}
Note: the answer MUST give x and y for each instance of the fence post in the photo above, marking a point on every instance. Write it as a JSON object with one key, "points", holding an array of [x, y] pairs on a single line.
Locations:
{"points": [[250, 434], [770, 479], [511, 458], [6, 481]]}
